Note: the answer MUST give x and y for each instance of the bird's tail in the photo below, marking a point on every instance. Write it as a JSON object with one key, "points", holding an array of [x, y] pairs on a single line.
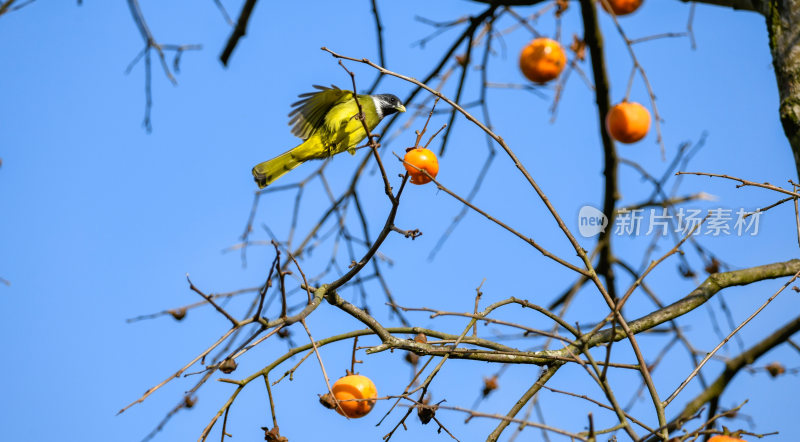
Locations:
{"points": [[268, 171]]}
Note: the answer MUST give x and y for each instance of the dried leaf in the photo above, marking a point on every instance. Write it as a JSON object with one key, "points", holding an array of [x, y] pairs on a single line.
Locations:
{"points": [[578, 46]]}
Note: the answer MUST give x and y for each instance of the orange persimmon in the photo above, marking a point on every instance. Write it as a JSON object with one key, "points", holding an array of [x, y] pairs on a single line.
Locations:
{"points": [[354, 386], [418, 159], [621, 7], [542, 60], [628, 122], [724, 438]]}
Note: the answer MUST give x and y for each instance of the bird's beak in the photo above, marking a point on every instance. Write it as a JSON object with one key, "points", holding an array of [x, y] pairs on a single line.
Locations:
{"points": [[400, 108]]}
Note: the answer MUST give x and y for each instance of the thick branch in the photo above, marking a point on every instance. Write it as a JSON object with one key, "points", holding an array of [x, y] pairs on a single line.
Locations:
{"points": [[713, 284], [696, 298]]}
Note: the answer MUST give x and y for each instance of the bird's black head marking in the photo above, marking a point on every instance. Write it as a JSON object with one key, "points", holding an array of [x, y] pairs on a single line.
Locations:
{"points": [[388, 104]]}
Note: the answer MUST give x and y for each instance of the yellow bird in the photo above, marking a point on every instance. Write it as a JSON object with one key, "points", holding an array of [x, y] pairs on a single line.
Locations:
{"points": [[328, 122]]}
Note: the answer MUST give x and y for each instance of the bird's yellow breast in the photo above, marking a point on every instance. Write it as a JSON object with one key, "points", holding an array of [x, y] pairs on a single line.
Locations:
{"points": [[342, 129]]}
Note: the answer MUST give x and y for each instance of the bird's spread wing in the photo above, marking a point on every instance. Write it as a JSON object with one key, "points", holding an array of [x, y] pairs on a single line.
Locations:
{"points": [[308, 114]]}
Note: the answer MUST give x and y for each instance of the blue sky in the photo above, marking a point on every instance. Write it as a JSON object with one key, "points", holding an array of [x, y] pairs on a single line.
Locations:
{"points": [[101, 221]]}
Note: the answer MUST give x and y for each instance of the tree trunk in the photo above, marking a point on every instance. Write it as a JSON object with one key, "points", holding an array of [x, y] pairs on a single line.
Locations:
{"points": [[783, 24]]}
